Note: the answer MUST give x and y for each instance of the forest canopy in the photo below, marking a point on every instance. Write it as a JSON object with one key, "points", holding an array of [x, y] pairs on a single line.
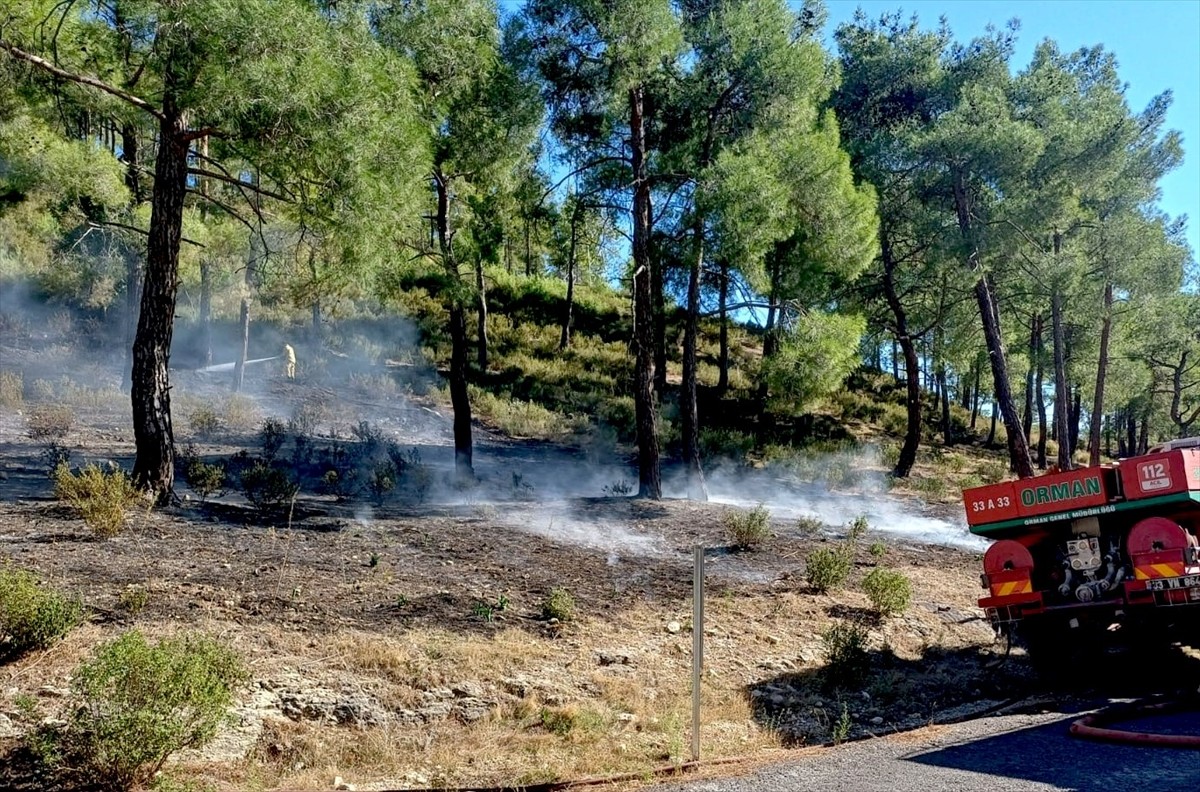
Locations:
{"points": [[648, 178]]}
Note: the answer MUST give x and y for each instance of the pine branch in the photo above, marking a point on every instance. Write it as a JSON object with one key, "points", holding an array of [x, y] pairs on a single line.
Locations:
{"points": [[82, 79]]}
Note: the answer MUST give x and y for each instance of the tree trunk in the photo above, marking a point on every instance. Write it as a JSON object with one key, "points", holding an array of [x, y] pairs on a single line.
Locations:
{"points": [[978, 367], [895, 363], [1018, 449], [1062, 398], [991, 438], [1027, 416], [689, 417], [150, 391], [1076, 417], [528, 251], [459, 398], [912, 432], [1040, 399], [1144, 433], [660, 315], [944, 387], [481, 315], [723, 376], [564, 339], [1130, 433], [239, 369], [205, 313], [133, 269], [1101, 375], [649, 474]]}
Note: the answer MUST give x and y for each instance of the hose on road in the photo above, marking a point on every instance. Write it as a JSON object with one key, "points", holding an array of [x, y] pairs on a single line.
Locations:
{"points": [[1097, 726]]}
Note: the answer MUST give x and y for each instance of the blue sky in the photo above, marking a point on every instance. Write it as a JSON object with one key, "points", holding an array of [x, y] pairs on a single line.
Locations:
{"points": [[1156, 42]]}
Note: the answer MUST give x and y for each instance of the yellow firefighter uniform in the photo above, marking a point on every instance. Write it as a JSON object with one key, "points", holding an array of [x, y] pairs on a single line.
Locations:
{"points": [[290, 356]]}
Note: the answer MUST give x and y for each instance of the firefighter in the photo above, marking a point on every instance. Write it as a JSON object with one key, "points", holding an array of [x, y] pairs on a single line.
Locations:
{"points": [[289, 355]]}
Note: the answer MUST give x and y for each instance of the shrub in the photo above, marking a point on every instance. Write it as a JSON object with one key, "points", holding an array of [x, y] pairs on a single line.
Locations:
{"points": [[133, 599], [618, 489], [49, 421], [827, 568], [810, 525], [32, 616], [888, 590], [100, 496], [381, 481], [12, 390], [53, 455], [878, 549], [845, 646], [559, 605], [272, 436], [857, 528], [889, 455], [204, 478], [136, 704], [267, 487], [204, 423], [993, 472], [747, 529], [241, 413]]}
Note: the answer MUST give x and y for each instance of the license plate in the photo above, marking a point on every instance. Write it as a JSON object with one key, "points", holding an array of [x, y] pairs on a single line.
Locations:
{"points": [[1163, 584]]}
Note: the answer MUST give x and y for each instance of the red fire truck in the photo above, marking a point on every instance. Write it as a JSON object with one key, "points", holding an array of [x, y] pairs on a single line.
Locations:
{"points": [[1098, 548]]}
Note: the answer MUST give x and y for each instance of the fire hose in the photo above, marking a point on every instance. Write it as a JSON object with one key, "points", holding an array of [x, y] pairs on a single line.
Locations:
{"points": [[1098, 725]]}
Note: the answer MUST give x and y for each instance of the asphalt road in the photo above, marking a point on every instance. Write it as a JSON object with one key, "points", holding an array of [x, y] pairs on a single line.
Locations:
{"points": [[1033, 753]]}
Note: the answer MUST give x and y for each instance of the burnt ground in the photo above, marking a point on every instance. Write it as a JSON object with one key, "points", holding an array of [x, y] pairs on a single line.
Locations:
{"points": [[401, 641]]}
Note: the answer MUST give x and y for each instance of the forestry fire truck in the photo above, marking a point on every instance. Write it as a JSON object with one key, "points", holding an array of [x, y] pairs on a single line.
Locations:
{"points": [[1094, 549]]}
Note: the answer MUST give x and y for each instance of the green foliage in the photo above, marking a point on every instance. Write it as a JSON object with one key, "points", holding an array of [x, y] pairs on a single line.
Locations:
{"points": [[204, 422], [559, 605], [49, 421], [827, 568], [845, 645], [133, 599], [812, 360], [747, 529], [857, 528], [272, 435], [888, 590], [877, 549], [381, 481], [205, 479], [12, 390], [268, 488], [32, 616], [101, 497], [841, 728], [135, 704]]}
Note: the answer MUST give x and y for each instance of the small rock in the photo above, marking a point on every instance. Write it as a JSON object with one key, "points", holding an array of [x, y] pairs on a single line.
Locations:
{"points": [[338, 783], [467, 690], [608, 657], [53, 692], [876, 720], [627, 717], [774, 640], [7, 729], [674, 627]]}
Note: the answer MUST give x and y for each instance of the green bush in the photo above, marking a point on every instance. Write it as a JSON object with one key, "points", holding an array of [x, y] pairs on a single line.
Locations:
{"points": [[12, 390], [827, 568], [747, 529], [272, 435], [204, 422], [204, 478], [888, 590], [845, 645], [268, 487], [100, 496], [49, 421], [32, 616], [136, 704], [878, 549], [559, 605]]}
